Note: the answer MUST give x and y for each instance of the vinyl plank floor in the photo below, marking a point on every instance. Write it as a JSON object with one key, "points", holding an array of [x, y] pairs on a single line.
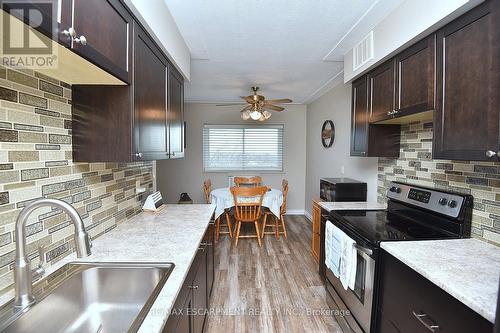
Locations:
{"points": [[275, 288]]}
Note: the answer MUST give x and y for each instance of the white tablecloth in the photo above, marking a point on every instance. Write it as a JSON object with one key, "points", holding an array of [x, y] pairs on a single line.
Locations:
{"points": [[223, 199]]}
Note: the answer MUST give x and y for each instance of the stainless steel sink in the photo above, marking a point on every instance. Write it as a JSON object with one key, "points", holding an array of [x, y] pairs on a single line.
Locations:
{"points": [[90, 297]]}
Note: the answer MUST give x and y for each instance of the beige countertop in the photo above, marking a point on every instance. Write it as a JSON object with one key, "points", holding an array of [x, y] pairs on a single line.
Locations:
{"points": [[173, 235], [352, 205], [467, 269]]}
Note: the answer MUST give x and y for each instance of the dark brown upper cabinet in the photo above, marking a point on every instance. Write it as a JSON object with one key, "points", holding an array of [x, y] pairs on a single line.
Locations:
{"points": [[102, 34], [370, 140], [131, 123], [381, 91], [466, 120], [359, 117], [150, 99], [175, 113], [415, 78]]}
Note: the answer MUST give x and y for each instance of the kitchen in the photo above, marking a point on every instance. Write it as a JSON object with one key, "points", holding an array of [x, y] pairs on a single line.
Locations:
{"points": [[141, 100]]}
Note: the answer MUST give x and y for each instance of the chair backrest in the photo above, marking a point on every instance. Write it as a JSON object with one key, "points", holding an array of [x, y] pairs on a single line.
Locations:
{"points": [[248, 202], [207, 188], [248, 181], [284, 185]]}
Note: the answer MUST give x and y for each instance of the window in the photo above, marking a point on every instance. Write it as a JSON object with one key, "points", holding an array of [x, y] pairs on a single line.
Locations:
{"points": [[240, 147]]}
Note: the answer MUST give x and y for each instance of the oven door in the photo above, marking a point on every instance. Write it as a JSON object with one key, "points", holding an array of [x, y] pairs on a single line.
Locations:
{"points": [[360, 300]]}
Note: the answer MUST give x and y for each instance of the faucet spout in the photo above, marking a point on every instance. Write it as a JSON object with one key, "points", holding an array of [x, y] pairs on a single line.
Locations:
{"points": [[22, 270]]}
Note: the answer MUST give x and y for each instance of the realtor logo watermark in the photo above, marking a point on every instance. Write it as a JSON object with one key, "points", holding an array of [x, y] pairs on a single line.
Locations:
{"points": [[23, 44]]}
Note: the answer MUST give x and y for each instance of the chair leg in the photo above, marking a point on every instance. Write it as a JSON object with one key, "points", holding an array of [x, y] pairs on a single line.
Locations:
{"points": [[257, 231], [217, 229], [276, 228], [283, 224], [237, 232], [228, 221], [264, 223]]}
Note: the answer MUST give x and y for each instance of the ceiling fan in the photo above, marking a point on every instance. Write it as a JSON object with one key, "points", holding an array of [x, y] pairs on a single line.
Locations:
{"points": [[258, 107]]}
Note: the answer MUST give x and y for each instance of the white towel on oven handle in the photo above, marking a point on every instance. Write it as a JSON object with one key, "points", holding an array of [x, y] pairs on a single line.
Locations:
{"points": [[332, 247], [348, 261]]}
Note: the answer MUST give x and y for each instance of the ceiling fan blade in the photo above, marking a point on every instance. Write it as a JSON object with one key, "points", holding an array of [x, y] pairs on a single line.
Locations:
{"points": [[273, 107], [248, 99], [230, 104], [279, 101]]}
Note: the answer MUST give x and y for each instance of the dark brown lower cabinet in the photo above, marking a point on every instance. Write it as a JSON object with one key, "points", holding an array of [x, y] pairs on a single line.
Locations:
{"points": [[189, 312], [409, 303], [210, 239]]}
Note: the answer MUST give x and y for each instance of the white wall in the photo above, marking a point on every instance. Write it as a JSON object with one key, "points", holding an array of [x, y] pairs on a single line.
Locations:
{"points": [[157, 19], [327, 162], [187, 175], [408, 23]]}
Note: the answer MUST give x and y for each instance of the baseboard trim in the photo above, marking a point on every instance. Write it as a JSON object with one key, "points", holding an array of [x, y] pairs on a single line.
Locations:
{"points": [[295, 212]]}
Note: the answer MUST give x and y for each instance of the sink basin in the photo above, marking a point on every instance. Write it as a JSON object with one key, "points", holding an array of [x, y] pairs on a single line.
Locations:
{"points": [[90, 297]]}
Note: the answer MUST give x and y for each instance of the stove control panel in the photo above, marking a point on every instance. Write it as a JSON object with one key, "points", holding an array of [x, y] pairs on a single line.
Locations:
{"points": [[438, 201], [419, 195]]}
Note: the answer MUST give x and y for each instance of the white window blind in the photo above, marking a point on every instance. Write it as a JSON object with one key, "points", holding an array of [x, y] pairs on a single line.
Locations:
{"points": [[240, 147]]}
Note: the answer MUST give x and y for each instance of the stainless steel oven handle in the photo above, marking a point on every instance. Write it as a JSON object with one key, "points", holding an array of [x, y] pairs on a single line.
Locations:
{"points": [[421, 318], [363, 249]]}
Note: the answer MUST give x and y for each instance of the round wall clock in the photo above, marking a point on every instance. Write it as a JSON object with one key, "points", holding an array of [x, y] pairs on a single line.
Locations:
{"points": [[327, 133]]}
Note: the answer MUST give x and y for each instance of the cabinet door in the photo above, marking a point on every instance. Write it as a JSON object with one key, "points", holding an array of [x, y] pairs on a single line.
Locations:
{"points": [[210, 258], [415, 73], [409, 302], [381, 81], [107, 28], [200, 301], [179, 320], [150, 121], [176, 113], [56, 12], [316, 220], [359, 117], [466, 121]]}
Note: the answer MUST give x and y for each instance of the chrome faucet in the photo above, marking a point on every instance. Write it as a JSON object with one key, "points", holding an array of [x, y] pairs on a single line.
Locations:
{"points": [[23, 275]]}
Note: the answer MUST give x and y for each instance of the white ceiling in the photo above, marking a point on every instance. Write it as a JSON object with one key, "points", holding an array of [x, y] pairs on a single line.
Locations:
{"points": [[288, 48]]}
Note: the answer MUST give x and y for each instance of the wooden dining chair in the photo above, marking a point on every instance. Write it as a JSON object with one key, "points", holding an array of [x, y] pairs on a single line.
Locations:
{"points": [[277, 222], [248, 181], [207, 189], [247, 210]]}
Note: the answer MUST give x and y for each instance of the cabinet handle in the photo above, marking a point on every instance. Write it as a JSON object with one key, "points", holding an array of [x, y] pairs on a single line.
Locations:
{"points": [[70, 32], [491, 153], [429, 325], [193, 287], [81, 40], [139, 155]]}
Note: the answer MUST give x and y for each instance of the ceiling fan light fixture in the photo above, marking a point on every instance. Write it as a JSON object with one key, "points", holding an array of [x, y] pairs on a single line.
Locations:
{"points": [[245, 115], [266, 114], [255, 115], [262, 118]]}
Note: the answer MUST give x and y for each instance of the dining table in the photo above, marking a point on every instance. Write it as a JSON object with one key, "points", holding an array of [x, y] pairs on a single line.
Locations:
{"points": [[223, 199]]}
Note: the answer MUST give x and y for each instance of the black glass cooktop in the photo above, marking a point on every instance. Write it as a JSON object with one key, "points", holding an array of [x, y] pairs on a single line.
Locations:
{"points": [[380, 226]]}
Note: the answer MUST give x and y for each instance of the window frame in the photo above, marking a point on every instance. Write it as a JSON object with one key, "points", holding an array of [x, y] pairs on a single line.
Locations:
{"points": [[244, 170]]}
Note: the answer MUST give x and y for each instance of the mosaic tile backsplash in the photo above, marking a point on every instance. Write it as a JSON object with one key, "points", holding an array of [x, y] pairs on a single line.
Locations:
{"points": [[36, 161], [416, 166]]}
